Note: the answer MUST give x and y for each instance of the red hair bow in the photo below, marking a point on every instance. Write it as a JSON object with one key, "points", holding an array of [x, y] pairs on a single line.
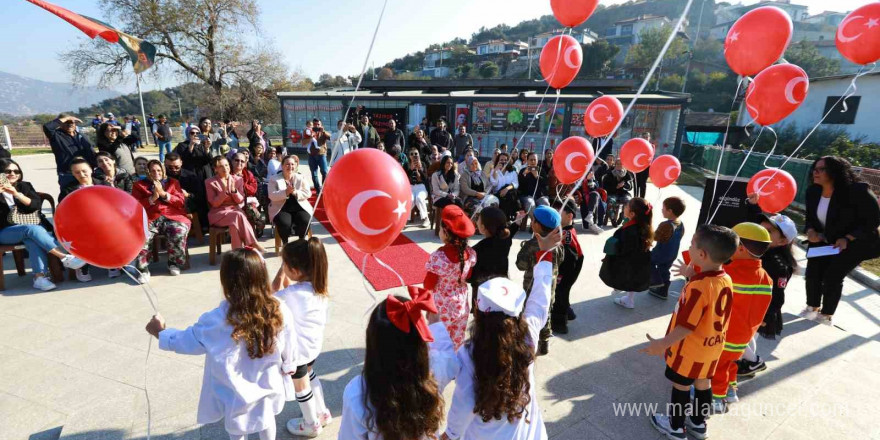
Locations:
{"points": [[401, 314]]}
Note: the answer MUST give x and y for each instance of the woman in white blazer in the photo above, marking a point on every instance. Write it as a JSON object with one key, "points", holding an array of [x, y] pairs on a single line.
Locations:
{"points": [[445, 184], [289, 193]]}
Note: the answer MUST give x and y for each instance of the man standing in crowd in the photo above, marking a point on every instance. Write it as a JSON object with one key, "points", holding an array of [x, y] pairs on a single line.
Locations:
{"points": [[97, 121], [67, 143], [162, 135], [369, 135], [151, 121], [193, 187], [462, 142], [641, 184], [136, 133], [111, 119], [440, 137], [394, 137], [317, 150]]}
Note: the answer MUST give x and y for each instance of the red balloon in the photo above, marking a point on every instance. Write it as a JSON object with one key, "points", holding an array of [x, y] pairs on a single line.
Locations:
{"points": [[775, 188], [571, 159], [757, 40], [104, 226], [664, 171], [602, 116], [858, 35], [368, 181], [636, 154], [561, 60], [776, 92], [571, 13]]}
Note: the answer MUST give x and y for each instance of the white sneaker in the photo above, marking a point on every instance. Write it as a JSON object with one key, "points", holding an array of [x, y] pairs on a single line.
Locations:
{"points": [[113, 273], [44, 284], [731, 395], [71, 262], [82, 276], [326, 419], [661, 423], [625, 302], [144, 277], [299, 427], [174, 270], [823, 319], [808, 313], [719, 406], [594, 228], [426, 223], [696, 431]]}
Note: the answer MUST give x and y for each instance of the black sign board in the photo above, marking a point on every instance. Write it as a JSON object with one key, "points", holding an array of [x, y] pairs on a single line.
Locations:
{"points": [[729, 200]]}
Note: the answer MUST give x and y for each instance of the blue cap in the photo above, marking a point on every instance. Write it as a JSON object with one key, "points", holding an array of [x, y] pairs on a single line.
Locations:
{"points": [[547, 217]]}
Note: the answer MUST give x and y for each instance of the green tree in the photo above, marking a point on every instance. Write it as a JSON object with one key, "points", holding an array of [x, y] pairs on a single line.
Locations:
{"points": [[807, 57], [488, 70], [598, 59], [465, 71], [642, 55], [386, 74]]}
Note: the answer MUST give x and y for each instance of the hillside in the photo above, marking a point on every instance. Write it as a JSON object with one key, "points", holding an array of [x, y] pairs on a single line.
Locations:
{"points": [[21, 96]]}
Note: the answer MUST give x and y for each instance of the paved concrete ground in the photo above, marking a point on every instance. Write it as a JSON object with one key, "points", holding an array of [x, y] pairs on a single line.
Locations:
{"points": [[73, 360]]}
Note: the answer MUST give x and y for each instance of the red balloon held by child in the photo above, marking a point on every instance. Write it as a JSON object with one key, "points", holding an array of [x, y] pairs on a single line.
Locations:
{"points": [[665, 171], [561, 60], [636, 154], [571, 13], [757, 40], [104, 226], [776, 93], [571, 159], [368, 199], [776, 189], [602, 116]]}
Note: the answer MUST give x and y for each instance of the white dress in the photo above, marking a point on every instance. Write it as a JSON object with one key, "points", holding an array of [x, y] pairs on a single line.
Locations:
{"points": [[462, 422], [247, 393], [309, 318]]}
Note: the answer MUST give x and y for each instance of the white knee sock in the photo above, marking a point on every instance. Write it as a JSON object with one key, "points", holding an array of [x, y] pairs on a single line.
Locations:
{"points": [[318, 391], [268, 433], [751, 353], [308, 406]]}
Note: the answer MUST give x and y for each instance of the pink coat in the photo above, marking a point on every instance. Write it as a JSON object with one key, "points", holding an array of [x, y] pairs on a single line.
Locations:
{"points": [[220, 202]]}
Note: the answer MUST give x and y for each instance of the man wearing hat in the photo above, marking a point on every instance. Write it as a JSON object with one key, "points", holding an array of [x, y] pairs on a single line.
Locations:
{"points": [[752, 291], [544, 221], [111, 119]]}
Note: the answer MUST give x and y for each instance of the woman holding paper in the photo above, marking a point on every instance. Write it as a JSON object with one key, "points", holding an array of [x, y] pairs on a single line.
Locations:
{"points": [[289, 193], [843, 213]]}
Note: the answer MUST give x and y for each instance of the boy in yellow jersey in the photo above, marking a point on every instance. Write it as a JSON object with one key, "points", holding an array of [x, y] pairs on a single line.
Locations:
{"points": [[752, 292], [695, 336]]}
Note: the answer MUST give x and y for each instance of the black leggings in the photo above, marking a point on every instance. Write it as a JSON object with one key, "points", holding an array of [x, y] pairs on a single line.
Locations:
{"points": [[825, 274], [509, 203], [291, 222]]}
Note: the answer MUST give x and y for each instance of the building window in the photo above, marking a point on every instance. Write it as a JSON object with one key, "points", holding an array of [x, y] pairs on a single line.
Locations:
{"points": [[837, 115], [610, 32], [626, 29]]}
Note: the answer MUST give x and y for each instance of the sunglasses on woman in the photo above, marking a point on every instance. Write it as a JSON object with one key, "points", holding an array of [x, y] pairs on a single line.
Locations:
{"points": [[12, 172]]}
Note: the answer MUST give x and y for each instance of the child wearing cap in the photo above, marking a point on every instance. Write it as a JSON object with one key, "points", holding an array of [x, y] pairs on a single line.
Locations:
{"points": [[448, 269], [695, 335], [627, 263], [495, 392], [569, 270], [546, 219]]}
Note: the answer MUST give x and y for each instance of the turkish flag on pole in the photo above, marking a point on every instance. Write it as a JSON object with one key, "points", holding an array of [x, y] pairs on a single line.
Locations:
{"points": [[90, 27]]}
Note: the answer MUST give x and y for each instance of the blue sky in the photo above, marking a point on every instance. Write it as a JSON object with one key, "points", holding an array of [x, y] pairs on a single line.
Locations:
{"points": [[316, 36]]}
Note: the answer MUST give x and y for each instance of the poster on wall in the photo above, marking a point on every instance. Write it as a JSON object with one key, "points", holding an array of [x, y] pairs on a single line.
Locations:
{"points": [[461, 117], [499, 120], [381, 118]]}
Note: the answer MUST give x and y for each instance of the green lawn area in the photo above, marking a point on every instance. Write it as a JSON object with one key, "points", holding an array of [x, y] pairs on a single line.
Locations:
{"points": [[28, 151]]}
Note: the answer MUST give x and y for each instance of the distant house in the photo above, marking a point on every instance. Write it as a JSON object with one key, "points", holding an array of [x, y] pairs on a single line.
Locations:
{"points": [[497, 47], [828, 18], [828, 49], [433, 64], [729, 13], [802, 31], [539, 41], [626, 33]]}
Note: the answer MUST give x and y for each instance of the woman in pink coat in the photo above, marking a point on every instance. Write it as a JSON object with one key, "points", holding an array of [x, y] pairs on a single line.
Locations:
{"points": [[225, 194]]}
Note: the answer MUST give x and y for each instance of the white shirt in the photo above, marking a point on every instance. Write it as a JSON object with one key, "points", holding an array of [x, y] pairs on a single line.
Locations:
{"points": [[822, 209], [247, 393], [273, 168], [9, 199], [500, 179], [309, 318], [344, 142], [462, 422], [518, 165]]}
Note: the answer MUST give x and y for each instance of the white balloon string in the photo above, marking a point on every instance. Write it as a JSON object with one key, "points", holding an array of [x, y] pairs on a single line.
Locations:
{"points": [[739, 85], [741, 165], [544, 148], [852, 85], [850, 91], [770, 153], [638, 94], [382, 263], [367, 288], [149, 293]]}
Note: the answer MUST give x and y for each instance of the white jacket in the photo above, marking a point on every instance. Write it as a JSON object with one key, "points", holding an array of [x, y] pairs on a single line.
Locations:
{"points": [[500, 179], [343, 142], [309, 317], [246, 392], [462, 422]]}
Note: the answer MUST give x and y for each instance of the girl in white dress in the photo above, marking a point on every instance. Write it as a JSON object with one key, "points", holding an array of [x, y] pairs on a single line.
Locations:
{"points": [[396, 397], [495, 388], [303, 278], [246, 344]]}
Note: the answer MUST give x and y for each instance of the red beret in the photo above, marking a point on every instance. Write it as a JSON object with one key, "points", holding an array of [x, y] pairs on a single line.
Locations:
{"points": [[457, 222]]}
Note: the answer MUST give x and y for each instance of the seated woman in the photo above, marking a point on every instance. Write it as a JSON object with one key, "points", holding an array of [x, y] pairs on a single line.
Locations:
{"points": [[418, 183], [164, 201], [445, 184], [273, 161], [108, 139], [20, 197], [532, 184], [82, 172], [110, 174], [504, 185], [289, 193], [140, 168], [474, 185], [225, 194], [251, 185]]}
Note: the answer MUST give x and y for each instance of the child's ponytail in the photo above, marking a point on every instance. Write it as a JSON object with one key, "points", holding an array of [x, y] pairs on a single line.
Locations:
{"points": [[309, 258], [643, 217]]}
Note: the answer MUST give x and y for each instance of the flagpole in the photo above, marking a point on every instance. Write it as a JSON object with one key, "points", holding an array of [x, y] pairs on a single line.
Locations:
{"points": [[144, 127]]}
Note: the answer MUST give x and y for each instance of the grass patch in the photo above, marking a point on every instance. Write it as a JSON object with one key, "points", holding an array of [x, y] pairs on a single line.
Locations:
{"points": [[872, 266], [29, 151]]}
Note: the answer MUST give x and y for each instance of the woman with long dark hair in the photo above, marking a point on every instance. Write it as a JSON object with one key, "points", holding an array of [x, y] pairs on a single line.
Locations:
{"points": [[109, 138], [395, 397], [842, 212], [446, 184], [504, 182], [495, 396]]}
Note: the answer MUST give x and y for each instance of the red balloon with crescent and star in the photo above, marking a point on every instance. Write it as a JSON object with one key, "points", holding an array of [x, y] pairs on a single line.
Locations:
{"points": [[571, 13], [561, 60], [858, 35], [571, 159], [757, 40], [776, 92], [104, 226], [665, 171], [602, 116], [776, 189], [368, 199], [636, 154]]}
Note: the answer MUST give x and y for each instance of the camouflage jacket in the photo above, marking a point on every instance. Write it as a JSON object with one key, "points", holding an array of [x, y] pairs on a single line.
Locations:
{"points": [[526, 260]]}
